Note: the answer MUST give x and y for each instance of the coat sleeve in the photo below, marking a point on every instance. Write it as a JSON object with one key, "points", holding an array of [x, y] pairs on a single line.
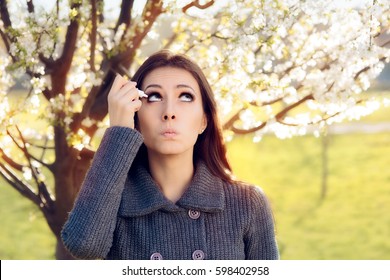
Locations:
{"points": [[260, 239], [88, 232]]}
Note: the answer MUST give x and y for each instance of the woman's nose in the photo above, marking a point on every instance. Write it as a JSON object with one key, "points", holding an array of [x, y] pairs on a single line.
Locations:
{"points": [[169, 111], [168, 116]]}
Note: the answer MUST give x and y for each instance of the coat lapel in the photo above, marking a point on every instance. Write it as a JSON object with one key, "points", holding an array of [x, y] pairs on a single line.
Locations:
{"points": [[141, 195]]}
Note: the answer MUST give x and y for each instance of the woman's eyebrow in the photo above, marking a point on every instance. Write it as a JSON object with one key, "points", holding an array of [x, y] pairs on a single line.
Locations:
{"points": [[153, 85], [185, 86], [178, 86]]}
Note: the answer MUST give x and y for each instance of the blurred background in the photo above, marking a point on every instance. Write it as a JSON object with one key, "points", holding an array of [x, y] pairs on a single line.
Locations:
{"points": [[306, 118]]}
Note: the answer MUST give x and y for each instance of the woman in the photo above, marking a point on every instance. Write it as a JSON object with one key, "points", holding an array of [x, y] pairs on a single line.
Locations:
{"points": [[160, 185]]}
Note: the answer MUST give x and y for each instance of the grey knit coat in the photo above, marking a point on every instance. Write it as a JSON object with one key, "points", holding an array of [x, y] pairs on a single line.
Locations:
{"points": [[120, 213]]}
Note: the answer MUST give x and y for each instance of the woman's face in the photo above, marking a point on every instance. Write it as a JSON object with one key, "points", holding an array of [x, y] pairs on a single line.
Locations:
{"points": [[172, 116]]}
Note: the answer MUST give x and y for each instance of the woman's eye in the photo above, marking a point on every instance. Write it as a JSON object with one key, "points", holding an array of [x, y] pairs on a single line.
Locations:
{"points": [[187, 97], [154, 97]]}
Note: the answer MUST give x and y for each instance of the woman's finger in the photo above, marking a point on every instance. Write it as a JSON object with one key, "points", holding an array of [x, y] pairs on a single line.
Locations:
{"points": [[123, 102], [118, 83], [129, 90]]}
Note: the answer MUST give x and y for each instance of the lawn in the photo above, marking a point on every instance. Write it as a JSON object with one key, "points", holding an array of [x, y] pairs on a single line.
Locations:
{"points": [[351, 222], [24, 233]]}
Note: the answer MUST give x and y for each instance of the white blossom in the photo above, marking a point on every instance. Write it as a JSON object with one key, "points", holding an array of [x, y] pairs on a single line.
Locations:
{"points": [[260, 57]]}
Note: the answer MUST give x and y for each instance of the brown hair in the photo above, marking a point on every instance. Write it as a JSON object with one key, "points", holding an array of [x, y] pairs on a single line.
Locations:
{"points": [[209, 147]]}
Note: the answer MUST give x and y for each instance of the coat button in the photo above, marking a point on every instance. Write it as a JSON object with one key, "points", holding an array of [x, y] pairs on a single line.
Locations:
{"points": [[194, 214], [156, 256], [198, 255]]}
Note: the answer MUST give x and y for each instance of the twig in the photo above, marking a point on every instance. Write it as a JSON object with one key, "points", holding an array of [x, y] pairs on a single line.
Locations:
{"points": [[196, 4]]}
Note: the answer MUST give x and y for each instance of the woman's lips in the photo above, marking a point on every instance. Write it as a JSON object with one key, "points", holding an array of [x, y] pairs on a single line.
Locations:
{"points": [[169, 133]]}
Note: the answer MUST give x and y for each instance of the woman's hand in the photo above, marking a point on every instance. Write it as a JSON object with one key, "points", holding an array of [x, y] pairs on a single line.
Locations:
{"points": [[123, 102]]}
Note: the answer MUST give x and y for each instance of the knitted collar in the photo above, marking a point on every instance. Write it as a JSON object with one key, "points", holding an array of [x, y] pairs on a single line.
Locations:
{"points": [[141, 195]]}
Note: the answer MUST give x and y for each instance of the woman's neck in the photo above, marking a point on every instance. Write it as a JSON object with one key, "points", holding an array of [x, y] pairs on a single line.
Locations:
{"points": [[172, 173]]}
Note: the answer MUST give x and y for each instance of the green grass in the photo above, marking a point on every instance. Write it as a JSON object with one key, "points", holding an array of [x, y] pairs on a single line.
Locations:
{"points": [[24, 233], [352, 222]]}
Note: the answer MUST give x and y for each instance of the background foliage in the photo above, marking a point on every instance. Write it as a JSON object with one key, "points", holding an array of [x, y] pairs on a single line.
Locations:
{"points": [[285, 68], [351, 223]]}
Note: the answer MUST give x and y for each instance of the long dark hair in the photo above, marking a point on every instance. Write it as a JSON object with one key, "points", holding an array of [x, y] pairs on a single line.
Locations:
{"points": [[209, 147]]}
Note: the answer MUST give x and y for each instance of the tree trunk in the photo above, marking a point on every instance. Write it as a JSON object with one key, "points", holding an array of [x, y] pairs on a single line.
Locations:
{"points": [[61, 252], [324, 164], [68, 182], [69, 172]]}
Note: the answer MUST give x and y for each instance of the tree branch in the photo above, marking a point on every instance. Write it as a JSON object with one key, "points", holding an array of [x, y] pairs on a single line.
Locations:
{"points": [[10, 161], [96, 106], [229, 124], [170, 41], [250, 130], [66, 57], [366, 69], [58, 7], [7, 24], [125, 14], [5, 39], [279, 116], [23, 188], [87, 153], [42, 200], [149, 15], [30, 6], [197, 5], [254, 103], [45, 196], [385, 44], [93, 34], [5, 14], [96, 99], [43, 192], [22, 147]]}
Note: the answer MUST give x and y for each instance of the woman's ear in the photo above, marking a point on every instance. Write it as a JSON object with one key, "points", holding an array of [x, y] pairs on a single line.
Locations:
{"points": [[204, 124]]}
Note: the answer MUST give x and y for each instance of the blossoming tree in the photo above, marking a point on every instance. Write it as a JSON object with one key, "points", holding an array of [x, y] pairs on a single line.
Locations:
{"points": [[286, 67]]}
